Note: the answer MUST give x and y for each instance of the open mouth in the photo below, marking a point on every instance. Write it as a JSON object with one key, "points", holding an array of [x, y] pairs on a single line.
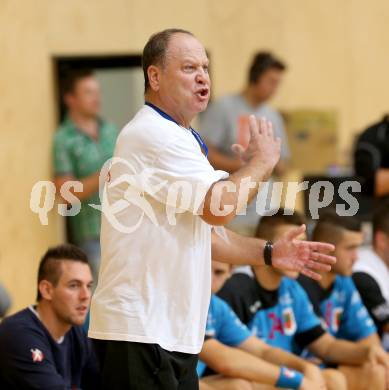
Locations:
{"points": [[202, 93]]}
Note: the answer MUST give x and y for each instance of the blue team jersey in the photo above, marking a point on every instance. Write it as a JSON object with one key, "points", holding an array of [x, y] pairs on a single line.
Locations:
{"points": [[341, 308], [224, 326], [283, 318]]}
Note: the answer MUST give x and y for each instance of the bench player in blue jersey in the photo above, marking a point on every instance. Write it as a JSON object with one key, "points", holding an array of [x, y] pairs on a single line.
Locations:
{"points": [[335, 298], [234, 359], [278, 310]]}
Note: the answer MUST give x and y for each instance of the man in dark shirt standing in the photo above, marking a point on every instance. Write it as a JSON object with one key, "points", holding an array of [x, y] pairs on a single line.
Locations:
{"points": [[44, 346], [371, 159]]}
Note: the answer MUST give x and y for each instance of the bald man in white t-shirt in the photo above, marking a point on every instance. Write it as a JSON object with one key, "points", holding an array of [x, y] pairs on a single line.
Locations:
{"points": [[162, 198]]}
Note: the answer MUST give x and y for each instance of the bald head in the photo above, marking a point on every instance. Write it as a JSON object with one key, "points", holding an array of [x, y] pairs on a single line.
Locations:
{"points": [[155, 51]]}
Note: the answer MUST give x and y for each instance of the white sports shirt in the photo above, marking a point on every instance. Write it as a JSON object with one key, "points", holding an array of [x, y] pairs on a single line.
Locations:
{"points": [[154, 282]]}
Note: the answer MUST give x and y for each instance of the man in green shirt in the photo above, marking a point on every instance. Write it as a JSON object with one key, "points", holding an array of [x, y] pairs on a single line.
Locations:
{"points": [[82, 144]]}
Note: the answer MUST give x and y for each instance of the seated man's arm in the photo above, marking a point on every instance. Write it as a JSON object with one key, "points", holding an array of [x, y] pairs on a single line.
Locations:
{"points": [[278, 356], [26, 361], [205, 386], [235, 363], [232, 362], [373, 299], [372, 339], [333, 350]]}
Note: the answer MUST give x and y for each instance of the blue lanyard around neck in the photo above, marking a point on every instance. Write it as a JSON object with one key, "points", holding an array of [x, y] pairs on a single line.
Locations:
{"points": [[197, 136]]}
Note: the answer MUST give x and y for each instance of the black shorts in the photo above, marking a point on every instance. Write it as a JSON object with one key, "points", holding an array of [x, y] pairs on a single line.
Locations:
{"points": [[137, 366]]}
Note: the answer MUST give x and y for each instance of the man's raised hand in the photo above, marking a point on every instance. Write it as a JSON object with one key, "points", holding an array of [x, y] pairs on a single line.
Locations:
{"points": [[263, 149]]}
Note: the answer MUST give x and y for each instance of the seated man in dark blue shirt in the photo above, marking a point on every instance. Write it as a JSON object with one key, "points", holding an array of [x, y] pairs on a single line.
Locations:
{"points": [[44, 346]]}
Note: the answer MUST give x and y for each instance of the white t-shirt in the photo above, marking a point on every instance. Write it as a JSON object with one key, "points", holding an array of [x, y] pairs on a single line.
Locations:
{"points": [[371, 264], [154, 280]]}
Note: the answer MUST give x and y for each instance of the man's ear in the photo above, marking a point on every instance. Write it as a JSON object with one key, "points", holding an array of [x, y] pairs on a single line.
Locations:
{"points": [[46, 289], [153, 72]]}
